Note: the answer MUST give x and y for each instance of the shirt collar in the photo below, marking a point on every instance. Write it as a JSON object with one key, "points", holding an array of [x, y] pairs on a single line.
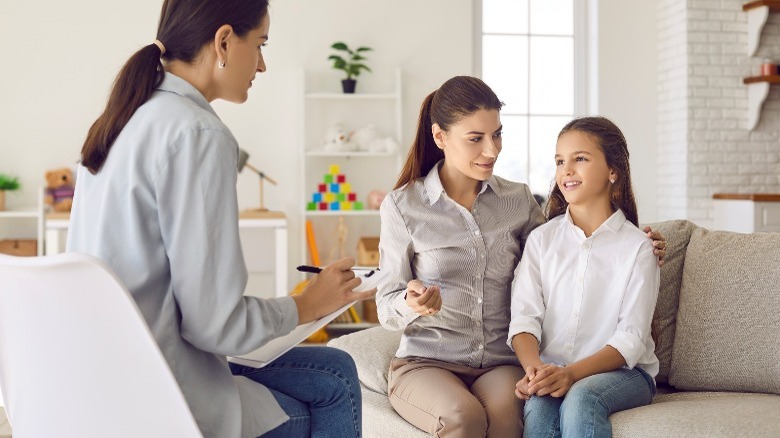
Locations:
{"points": [[177, 85], [613, 223], [434, 187]]}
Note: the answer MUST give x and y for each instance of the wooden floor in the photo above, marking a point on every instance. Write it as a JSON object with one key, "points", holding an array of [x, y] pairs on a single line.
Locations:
{"points": [[5, 428]]}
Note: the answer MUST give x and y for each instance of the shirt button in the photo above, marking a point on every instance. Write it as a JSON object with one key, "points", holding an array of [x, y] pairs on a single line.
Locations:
{"points": [[586, 245], [482, 255], [481, 346], [476, 233], [479, 300], [479, 323]]}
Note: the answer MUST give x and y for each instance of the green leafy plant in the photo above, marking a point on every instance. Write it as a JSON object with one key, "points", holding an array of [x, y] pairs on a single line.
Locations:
{"points": [[8, 182], [352, 65]]}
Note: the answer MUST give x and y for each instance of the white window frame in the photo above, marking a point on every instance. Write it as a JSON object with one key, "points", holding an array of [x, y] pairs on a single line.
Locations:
{"points": [[585, 55]]}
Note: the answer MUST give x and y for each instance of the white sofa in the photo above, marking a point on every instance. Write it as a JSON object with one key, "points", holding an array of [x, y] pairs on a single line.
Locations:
{"points": [[718, 325]]}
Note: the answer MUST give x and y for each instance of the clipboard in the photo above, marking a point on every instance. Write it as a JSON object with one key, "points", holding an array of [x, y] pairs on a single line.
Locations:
{"points": [[277, 347]]}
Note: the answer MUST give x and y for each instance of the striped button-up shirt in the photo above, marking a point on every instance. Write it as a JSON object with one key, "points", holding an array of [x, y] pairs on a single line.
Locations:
{"points": [[471, 255]]}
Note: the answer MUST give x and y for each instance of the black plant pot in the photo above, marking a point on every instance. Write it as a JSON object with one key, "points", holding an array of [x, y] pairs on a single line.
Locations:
{"points": [[348, 85]]}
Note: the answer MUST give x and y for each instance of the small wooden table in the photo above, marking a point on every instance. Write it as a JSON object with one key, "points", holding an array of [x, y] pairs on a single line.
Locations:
{"points": [[747, 213]]}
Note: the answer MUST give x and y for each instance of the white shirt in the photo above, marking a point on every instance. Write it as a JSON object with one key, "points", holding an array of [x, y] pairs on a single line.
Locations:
{"points": [[471, 255], [163, 214], [577, 294]]}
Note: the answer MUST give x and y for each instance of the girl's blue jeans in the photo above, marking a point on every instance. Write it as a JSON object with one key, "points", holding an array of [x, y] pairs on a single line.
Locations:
{"points": [[584, 410], [317, 387]]}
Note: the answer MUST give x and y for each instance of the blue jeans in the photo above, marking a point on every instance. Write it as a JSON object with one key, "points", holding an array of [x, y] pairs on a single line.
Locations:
{"points": [[317, 387], [584, 410]]}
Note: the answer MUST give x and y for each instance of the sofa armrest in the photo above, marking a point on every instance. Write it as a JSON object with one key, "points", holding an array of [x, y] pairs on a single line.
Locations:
{"points": [[372, 350]]}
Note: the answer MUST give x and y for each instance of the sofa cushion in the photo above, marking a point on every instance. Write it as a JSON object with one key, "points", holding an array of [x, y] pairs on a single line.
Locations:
{"points": [[677, 234], [729, 314], [381, 421], [372, 349], [701, 414]]}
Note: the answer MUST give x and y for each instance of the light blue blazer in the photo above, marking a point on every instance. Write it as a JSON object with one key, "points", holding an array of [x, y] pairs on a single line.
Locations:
{"points": [[162, 213]]}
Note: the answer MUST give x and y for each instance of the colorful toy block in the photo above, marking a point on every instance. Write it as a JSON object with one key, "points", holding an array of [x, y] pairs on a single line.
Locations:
{"points": [[334, 193]]}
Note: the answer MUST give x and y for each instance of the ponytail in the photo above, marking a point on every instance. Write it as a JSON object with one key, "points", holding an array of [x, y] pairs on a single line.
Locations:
{"points": [[134, 85], [424, 154]]}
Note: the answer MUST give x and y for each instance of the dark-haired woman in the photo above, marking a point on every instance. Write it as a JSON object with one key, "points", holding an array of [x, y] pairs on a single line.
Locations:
{"points": [[452, 235], [156, 200]]}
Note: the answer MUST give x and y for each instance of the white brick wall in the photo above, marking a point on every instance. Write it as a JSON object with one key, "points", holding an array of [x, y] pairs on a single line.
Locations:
{"points": [[711, 151]]}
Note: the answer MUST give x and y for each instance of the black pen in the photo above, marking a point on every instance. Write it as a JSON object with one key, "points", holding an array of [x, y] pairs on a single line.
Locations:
{"points": [[317, 270], [307, 268]]}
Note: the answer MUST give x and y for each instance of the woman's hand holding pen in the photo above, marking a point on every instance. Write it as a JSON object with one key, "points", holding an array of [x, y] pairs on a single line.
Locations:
{"points": [[329, 290], [424, 300]]}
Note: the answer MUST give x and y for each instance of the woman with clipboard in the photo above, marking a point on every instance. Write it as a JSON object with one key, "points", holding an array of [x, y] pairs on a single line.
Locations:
{"points": [[156, 200]]}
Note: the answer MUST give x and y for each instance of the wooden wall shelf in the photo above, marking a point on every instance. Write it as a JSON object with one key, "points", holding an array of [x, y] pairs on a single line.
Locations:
{"points": [[774, 79], [771, 4], [757, 13]]}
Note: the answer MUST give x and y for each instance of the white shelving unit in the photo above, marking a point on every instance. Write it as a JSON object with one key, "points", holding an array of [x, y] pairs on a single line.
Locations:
{"points": [[324, 105], [37, 213]]}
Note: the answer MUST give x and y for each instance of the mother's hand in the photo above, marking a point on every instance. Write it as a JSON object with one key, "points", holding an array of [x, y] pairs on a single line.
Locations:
{"points": [[424, 300], [659, 244]]}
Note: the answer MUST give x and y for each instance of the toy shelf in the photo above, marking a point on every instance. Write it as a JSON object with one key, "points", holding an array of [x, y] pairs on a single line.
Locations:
{"points": [[342, 213]]}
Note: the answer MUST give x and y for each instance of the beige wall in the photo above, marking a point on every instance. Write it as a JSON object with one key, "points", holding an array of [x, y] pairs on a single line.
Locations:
{"points": [[627, 77]]}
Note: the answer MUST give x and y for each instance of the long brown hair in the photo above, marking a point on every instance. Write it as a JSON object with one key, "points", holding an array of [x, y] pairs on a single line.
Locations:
{"points": [[185, 27], [457, 98], [612, 142]]}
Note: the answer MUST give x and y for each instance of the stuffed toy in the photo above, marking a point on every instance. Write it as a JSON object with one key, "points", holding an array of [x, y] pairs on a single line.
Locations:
{"points": [[59, 189], [369, 139], [337, 139], [375, 198]]}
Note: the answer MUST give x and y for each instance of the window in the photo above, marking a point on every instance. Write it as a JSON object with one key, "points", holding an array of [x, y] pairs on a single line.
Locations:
{"points": [[528, 58]]}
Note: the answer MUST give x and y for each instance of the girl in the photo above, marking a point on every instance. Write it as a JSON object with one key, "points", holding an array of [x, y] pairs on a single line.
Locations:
{"points": [[156, 200], [452, 234], [585, 293]]}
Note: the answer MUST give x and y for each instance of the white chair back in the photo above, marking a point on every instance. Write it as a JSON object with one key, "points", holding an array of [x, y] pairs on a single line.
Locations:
{"points": [[77, 358]]}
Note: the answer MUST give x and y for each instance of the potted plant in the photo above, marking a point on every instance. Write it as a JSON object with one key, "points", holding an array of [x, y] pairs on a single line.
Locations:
{"points": [[6, 183], [351, 64]]}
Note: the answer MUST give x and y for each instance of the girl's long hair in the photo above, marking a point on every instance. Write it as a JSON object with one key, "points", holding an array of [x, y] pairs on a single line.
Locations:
{"points": [[185, 27], [457, 98], [613, 144]]}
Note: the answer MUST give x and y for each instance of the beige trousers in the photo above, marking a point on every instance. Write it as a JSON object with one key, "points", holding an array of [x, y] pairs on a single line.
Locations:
{"points": [[448, 400]]}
